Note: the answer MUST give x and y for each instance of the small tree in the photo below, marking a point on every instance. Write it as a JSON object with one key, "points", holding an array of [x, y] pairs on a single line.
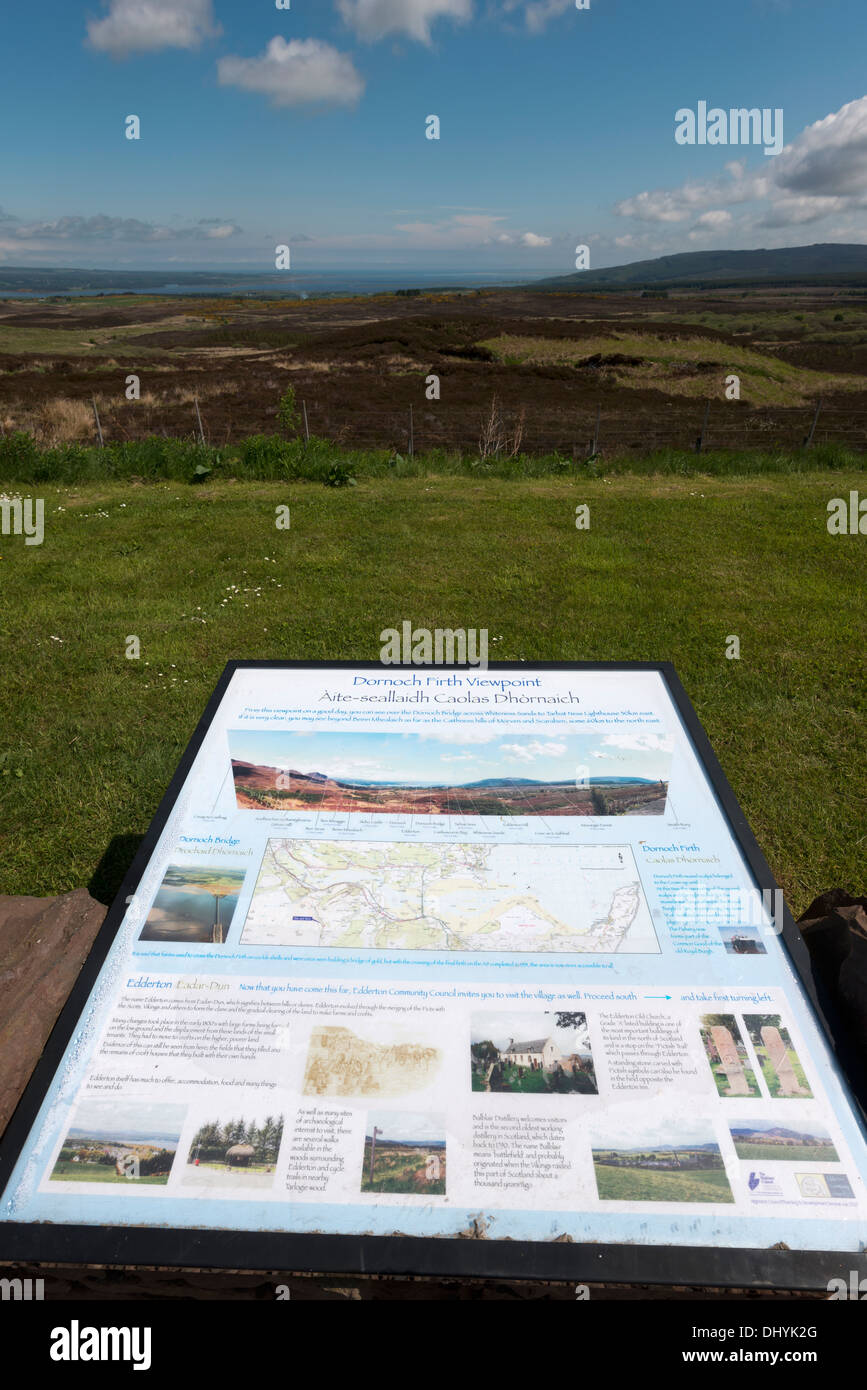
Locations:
{"points": [[287, 411], [497, 438]]}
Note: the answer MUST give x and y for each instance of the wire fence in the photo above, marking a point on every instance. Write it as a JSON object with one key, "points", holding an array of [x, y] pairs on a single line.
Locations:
{"points": [[585, 433], [508, 430]]}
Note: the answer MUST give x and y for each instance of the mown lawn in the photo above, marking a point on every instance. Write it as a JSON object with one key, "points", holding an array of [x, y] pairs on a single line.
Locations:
{"points": [[652, 1185], [670, 568], [799, 1153]]}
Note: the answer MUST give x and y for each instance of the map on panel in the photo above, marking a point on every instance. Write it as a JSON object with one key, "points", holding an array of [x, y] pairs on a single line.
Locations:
{"points": [[453, 897]]}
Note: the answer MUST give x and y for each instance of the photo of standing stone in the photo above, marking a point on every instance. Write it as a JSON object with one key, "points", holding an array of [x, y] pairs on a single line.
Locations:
{"points": [[404, 1153], [727, 1055], [783, 1073]]}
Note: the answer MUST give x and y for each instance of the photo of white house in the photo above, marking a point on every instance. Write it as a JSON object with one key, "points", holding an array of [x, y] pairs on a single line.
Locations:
{"points": [[529, 1052]]}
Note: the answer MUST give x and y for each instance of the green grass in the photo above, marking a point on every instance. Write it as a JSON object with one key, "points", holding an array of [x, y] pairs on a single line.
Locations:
{"points": [[772, 1080], [536, 1083], [672, 364], [397, 1172], [266, 458], [652, 1185], [799, 1153], [723, 1084], [814, 326], [221, 1166], [532, 1082], [67, 1171], [77, 342], [670, 567]]}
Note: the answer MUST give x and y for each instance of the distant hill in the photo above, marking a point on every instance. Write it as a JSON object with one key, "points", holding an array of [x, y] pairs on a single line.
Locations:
{"points": [[50, 280], [824, 263], [78, 1134], [506, 782], [408, 1143], [650, 1147], [777, 1132], [534, 782]]}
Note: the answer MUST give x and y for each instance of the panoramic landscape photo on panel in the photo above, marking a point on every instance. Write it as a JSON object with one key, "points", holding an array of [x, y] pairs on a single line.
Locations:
{"points": [[608, 774]]}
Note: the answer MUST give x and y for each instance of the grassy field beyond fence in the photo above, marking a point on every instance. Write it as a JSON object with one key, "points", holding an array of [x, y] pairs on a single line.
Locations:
{"points": [[670, 568]]}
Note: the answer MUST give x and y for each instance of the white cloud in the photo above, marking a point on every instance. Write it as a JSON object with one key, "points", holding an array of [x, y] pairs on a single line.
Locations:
{"points": [[518, 751], [531, 239], [468, 229], [296, 73], [638, 743], [529, 752], [145, 26], [688, 201], [821, 175], [375, 19], [225, 229], [363, 769], [537, 13], [464, 229], [103, 228], [715, 218], [829, 157], [795, 212], [458, 735]]}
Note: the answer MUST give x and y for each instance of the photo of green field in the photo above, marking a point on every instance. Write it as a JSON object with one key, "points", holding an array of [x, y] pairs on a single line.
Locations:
{"points": [[690, 1169], [88, 1160], [404, 1153], [641, 1185], [769, 1142], [120, 1142]]}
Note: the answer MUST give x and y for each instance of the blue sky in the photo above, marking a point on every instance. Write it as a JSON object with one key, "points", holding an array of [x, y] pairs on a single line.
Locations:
{"points": [[157, 1120], [262, 126], [456, 756]]}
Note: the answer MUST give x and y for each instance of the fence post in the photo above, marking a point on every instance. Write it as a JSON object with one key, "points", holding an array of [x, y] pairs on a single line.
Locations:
{"points": [[595, 449], [411, 435], [199, 418], [808, 441], [306, 426], [98, 425], [699, 443]]}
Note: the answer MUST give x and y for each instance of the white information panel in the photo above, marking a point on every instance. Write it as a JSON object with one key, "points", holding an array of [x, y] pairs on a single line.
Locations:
{"points": [[417, 949]]}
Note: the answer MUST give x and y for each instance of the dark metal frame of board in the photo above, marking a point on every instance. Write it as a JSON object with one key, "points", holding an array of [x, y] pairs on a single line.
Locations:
{"points": [[420, 1256]]}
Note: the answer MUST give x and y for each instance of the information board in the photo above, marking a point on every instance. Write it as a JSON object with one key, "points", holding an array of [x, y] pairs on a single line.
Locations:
{"points": [[431, 970]]}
